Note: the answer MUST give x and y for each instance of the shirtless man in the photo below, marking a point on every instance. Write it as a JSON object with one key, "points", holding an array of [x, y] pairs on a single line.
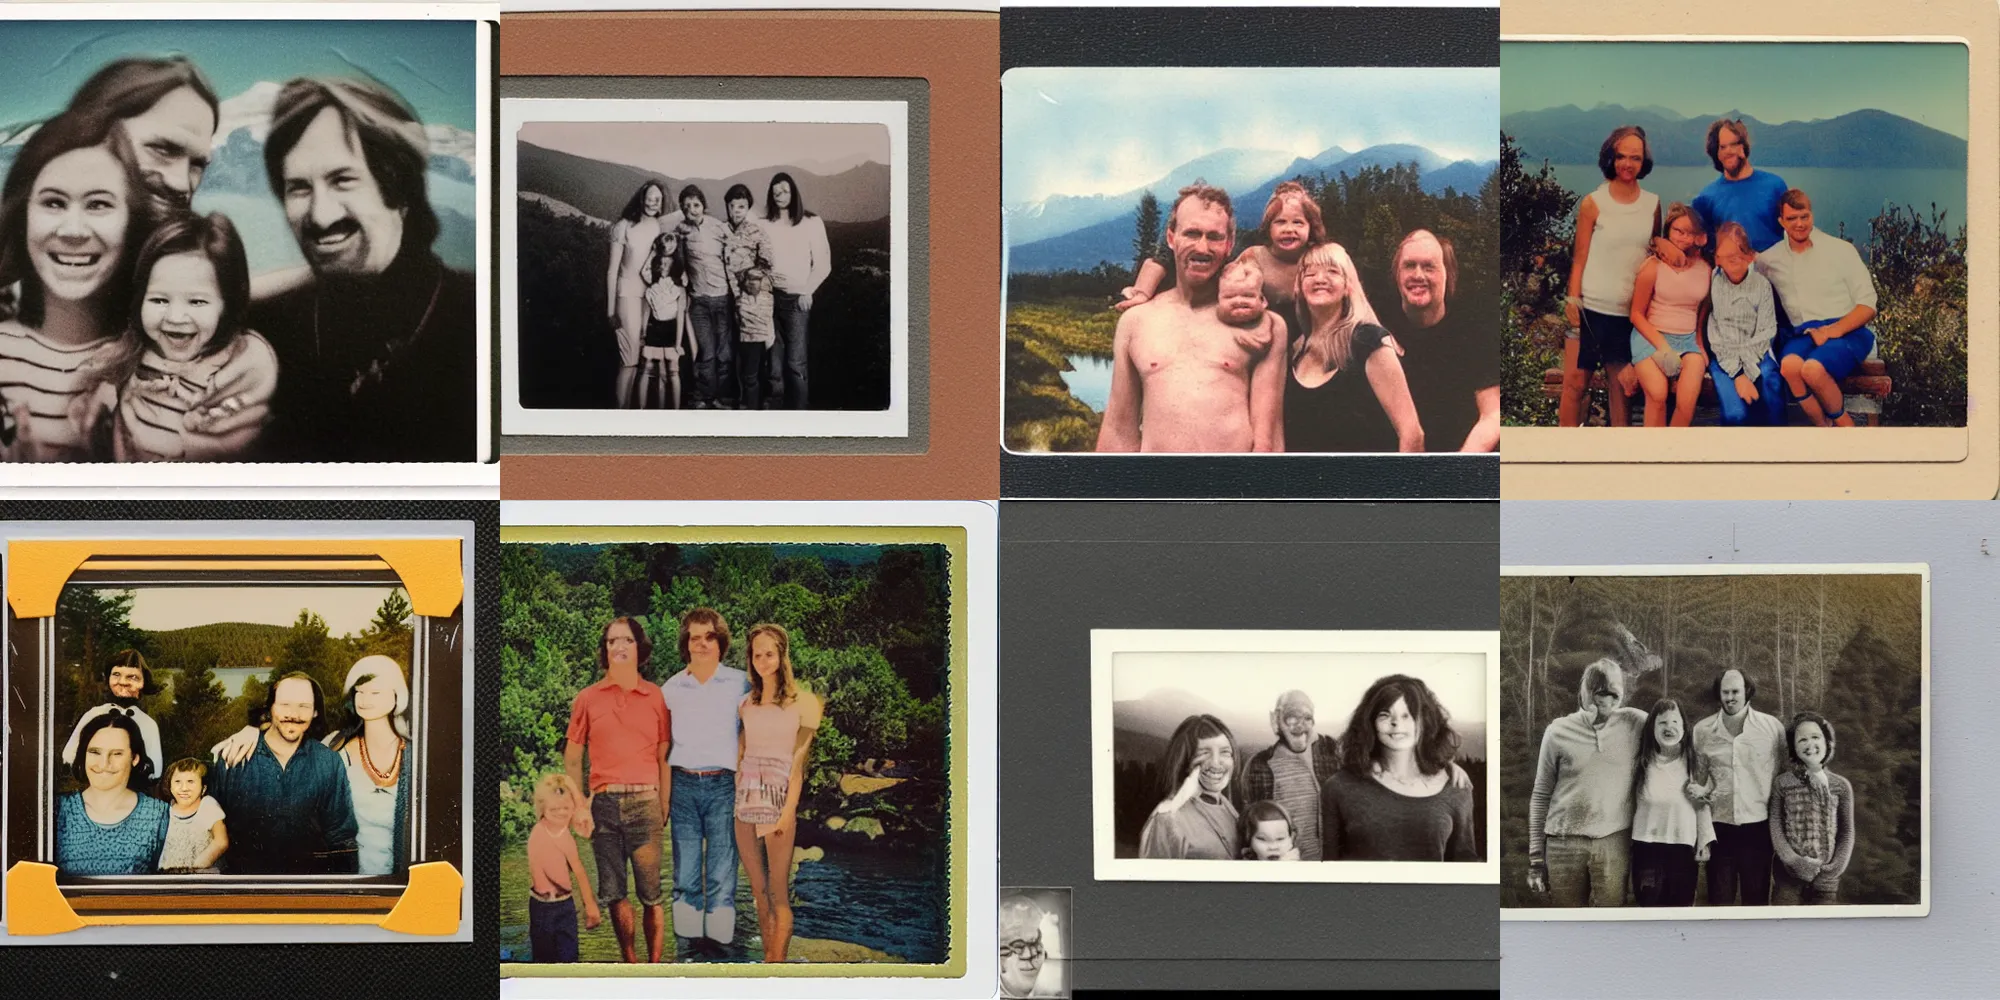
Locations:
{"points": [[1176, 361]]}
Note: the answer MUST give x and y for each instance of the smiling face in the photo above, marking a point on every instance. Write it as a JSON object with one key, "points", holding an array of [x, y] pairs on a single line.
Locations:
{"points": [[173, 140], [1396, 729], [1290, 228], [1021, 965], [1323, 284], [763, 654], [186, 788], [108, 759], [621, 647], [182, 307], [77, 219], [1420, 276], [1797, 222], [1809, 744], [1295, 722], [1270, 841], [1200, 239], [335, 205], [1216, 761], [558, 807], [1667, 729], [1628, 156], [292, 708], [692, 207], [1685, 234], [1734, 692], [127, 682], [374, 698]]}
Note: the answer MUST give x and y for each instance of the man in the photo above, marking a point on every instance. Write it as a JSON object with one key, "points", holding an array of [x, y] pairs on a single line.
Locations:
{"points": [[1742, 194], [703, 242], [1451, 360], [622, 721], [1580, 813], [702, 699], [1180, 382], [1825, 290], [290, 806], [377, 349], [1290, 771], [1743, 748], [1021, 947], [169, 112], [128, 678]]}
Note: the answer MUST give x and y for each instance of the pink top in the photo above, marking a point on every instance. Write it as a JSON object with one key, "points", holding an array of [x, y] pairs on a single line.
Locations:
{"points": [[548, 860], [770, 730], [1677, 295]]}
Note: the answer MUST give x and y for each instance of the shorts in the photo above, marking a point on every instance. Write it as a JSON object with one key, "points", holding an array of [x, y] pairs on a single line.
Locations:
{"points": [[626, 822], [663, 333], [1839, 356], [1679, 343], [1603, 341], [761, 786]]}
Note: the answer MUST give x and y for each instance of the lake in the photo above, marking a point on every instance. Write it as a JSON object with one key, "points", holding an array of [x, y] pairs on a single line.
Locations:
{"points": [[1839, 196], [1090, 383]]}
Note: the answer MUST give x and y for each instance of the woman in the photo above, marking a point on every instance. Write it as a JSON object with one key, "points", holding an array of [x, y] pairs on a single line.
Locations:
{"points": [[1614, 226], [1812, 818], [375, 744], [1195, 818], [632, 239], [1346, 391], [800, 262], [108, 828], [73, 214], [1672, 829], [779, 720], [1393, 798]]}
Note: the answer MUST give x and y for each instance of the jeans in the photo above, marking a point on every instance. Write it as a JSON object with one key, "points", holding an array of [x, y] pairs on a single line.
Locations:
{"points": [[704, 807], [1741, 857], [1662, 874], [1789, 891], [1767, 411], [1589, 871], [552, 930], [750, 372], [788, 354], [625, 823], [715, 347]]}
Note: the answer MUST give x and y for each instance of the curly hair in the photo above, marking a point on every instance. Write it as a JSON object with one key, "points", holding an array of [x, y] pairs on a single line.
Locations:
{"points": [[1713, 144], [1437, 742], [1792, 735], [1181, 747]]}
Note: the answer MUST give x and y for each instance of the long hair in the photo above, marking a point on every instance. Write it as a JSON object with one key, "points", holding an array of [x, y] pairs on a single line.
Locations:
{"points": [[1681, 210], [127, 88], [788, 685], [364, 670], [119, 719], [1649, 744], [1179, 755], [1607, 154], [214, 237], [645, 651], [1713, 144], [669, 264], [130, 658], [1792, 735], [635, 207], [1334, 339], [795, 211], [1437, 742], [712, 618], [319, 724], [392, 140], [1294, 191], [67, 133]]}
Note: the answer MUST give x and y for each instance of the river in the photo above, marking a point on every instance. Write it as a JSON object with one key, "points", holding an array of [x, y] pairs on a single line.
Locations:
{"points": [[1090, 383]]}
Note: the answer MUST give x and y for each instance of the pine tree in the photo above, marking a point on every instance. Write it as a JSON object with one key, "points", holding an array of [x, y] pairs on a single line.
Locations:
{"points": [[1146, 242]]}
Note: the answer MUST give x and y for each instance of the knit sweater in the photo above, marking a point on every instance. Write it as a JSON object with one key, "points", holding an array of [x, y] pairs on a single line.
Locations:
{"points": [[1364, 821], [1583, 778], [1812, 831]]}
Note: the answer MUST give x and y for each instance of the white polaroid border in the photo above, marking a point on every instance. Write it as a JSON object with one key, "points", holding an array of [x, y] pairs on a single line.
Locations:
{"points": [[1106, 643], [1066, 962], [891, 423], [286, 933], [1921, 908], [980, 519], [484, 469]]}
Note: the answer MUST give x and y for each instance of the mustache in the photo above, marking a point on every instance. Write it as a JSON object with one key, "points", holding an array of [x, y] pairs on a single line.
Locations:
{"points": [[340, 227]]}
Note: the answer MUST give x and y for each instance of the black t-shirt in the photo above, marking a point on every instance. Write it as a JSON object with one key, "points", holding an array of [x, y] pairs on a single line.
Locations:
{"points": [[1343, 414], [1447, 365]]}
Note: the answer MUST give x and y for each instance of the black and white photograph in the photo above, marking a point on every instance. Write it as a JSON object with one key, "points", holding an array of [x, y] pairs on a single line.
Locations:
{"points": [[706, 268], [1368, 750], [1035, 943], [243, 241], [1709, 742]]}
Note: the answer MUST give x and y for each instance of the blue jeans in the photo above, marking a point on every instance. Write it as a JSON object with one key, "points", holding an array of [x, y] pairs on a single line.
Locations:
{"points": [[715, 347], [552, 930], [1589, 871], [788, 354], [703, 814], [1767, 411]]}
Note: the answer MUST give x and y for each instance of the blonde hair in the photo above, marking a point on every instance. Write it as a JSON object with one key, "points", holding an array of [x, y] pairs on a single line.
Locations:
{"points": [[552, 784], [788, 685], [1335, 340]]}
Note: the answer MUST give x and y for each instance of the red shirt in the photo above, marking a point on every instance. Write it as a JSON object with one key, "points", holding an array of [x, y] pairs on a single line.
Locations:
{"points": [[623, 730]]}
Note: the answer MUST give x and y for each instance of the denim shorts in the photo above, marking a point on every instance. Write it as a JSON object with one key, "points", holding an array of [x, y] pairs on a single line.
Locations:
{"points": [[625, 823], [1679, 343]]}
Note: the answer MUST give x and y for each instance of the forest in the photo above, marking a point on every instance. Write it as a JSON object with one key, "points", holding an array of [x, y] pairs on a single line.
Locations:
{"points": [[1847, 646], [193, 709]]}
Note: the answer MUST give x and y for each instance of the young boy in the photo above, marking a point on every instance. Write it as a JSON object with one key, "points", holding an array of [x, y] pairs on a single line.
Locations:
{"points": [[755, 333], [1240, 303], [1742, 322], [196, 836], [554, 868]]}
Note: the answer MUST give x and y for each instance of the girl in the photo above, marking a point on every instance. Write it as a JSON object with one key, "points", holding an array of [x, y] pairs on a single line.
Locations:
{"points": [[1267, 833], [1393, 798], [1671, 825], [1668, 306], [196, 835], [666, 324], [1812, 818], [1614, 226], [1195, 819], [779, 720], [631, 238], [1346, 391]]}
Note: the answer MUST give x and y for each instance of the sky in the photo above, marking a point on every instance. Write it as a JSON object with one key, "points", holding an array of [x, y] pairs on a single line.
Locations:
{"points": [[347, 610], [431, 64], [1249, 683], [1082, 131], [715, 150], [1774, 82]]}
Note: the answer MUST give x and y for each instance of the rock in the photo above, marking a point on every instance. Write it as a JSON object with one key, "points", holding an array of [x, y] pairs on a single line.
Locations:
{"points": [[857, 784], [836, 823], [867, 825], [801, 855]]}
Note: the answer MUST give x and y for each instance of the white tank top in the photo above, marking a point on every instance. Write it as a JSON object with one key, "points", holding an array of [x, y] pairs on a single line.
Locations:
{"points": [[1618, 245]]}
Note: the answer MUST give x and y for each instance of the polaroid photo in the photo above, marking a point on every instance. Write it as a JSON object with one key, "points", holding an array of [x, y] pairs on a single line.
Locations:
{"points": [[1369, 755], [252, 238], [1035, 943], [247, 727], [1715, 742], [1695, 243], [732, 268], [826, 779]]}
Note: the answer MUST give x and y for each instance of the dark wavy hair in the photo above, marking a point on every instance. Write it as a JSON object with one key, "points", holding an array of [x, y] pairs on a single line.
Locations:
{"points": [[387, 129], [1437, 742], [127, 88], [130, 658], [692, 191], [117, 718], [67, 133], [1792, 734], [795, 211], [212, 236], [635, 207], [1649, 744], [319, 725], [711, 617], [1749, 682], [1181, 747], [1713, 144], [638, 637], [1607, 154], [739, 192]]}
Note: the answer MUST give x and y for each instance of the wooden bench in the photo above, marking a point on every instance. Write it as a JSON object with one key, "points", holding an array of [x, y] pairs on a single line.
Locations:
{"points": [[1865, 390]]}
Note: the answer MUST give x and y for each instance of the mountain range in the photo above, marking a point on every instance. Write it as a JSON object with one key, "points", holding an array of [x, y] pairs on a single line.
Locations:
{"points": [[859, 193], [1078, 232], [1142, 726], [1864, 139]]}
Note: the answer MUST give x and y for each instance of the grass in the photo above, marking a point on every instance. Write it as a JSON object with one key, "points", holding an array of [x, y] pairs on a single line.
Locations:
{"points": [[1041, 414]]}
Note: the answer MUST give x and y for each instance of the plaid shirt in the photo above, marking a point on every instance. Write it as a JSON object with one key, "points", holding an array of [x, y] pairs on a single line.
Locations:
{"points": [[1812, 824], [1258, 784], [744, 247]]}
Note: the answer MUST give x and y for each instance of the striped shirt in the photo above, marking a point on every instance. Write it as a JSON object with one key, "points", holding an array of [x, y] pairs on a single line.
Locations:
{"points": [[1742, 321], [47, 377], [156, 400]]}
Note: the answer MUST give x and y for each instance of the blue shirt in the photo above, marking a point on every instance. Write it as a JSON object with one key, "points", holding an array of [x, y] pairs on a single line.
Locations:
{"points": [[1751, 203], [291, 819], [129, 847]]}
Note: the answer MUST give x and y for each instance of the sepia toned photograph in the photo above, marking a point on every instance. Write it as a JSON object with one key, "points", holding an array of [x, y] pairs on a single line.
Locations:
{"points": [[1035, 943], [672, 259], [1368, 751], [1715, 742], [241, 241], [1228, 261]]}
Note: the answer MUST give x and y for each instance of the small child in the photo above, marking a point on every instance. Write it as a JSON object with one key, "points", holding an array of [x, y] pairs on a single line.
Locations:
{"points": [[1267, 833], [1240, 302], [666, 323], [553, 869], [1742, 324], [196, 836], [1667, 308], [1812, 818], [756, 333]]}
